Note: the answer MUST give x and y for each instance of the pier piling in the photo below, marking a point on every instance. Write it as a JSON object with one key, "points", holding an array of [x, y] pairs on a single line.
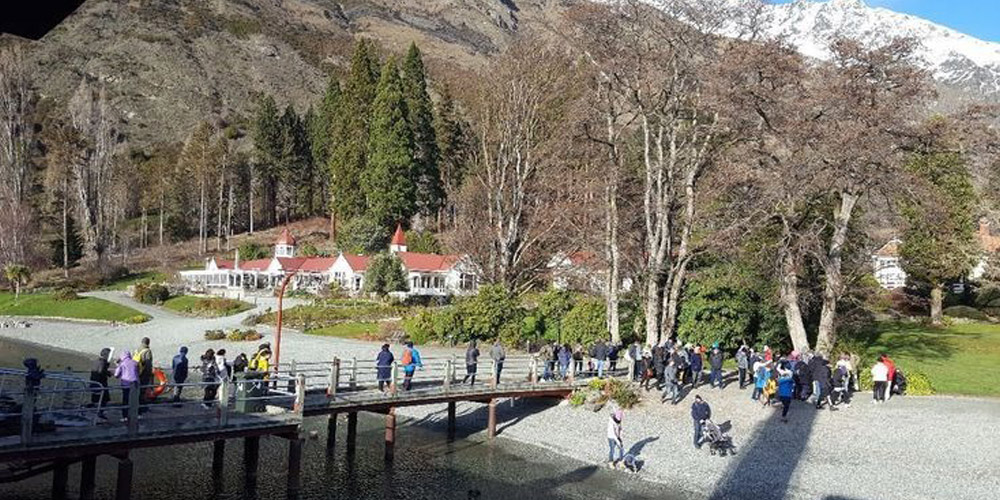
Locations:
{"points": [[352, 431], [123, 489], [451, 420], [218, 457], [88, 477], [251, 458], [390, 434], [331, 433], [491, 426], [60, 478], [294, 465]]}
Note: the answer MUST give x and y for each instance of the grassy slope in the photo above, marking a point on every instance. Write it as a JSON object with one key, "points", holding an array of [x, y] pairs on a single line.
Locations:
{"points": [[131, 279], [959, 359], [347, 330], [44, 304], [186, 304]]}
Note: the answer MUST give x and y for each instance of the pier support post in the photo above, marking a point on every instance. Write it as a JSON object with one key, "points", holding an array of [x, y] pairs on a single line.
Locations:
{"points": [[294, 465], [331, 433], [352, 431], [451, 420], [60, 479], [218, 457], [123, 489], [390, 434], [491, 426], [88, 476], [251, 458]]}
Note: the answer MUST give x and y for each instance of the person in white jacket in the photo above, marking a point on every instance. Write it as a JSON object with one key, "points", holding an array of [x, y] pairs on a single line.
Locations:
{"points": [[880, 377], [615, 438]]}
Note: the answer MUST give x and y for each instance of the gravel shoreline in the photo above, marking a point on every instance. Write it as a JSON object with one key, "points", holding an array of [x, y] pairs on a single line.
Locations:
{"points": [[910, 448]]}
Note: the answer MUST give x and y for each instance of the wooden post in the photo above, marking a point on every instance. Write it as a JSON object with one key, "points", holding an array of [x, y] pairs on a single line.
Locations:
{"points": [[60, 479], [631, 371], [251, 458], [533, 371], [572, 371], [28, 413], [223, 396], [291, 378], [493, 374], [331, 433], [491, 425], [123, 488], [447, 375], [354, 374], [352, 431], [218, 457], [133, 413], [294, 466], [331, 390], [451, 420], [88, 476], [390, 434], [300, 394], [395, 377]]}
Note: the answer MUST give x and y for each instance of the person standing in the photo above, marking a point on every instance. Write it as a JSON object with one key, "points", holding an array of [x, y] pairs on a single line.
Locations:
{"points": [[578, 360], [600, 355], [210, 377], [742, 364], [565, 357], [545, 354], [613, 351], [144, 357], [498, 355], [759, 379], [891, 377], [411, 361], [715, 364], [99, 374], [700, 412], [786, 388], [383, 367], [471, 362], [179, 372], [671, 389], [697, 365], [635, 357], [127, 372], [615, 443], [225, 369], [880, 378]]}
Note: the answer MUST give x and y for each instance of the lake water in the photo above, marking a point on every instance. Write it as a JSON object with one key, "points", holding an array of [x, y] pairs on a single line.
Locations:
{"points": [[427, 466]]}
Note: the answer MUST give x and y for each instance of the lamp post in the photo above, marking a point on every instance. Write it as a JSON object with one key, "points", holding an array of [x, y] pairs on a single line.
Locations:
{"points": [[277, 335]]}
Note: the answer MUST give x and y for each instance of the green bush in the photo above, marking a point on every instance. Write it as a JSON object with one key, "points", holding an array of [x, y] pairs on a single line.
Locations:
{"points": [[65, 295], [150, 293], [585, 323], [243, 335], [217, 306], [965, 312], [918, 384], [622, 393], [363, 235], [215, 335], [135, 320], [242, 27], [252, 251], [577, 398]]}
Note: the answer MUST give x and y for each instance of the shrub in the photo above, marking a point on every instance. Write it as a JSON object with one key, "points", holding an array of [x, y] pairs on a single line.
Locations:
{"points": [[252, 251], [577, 398], [363, 235], [622, 393], [244, 335], [217, 306], [135, 320], [585, 323], [918, 384], [909, 304], [966, 312], [214, 334], [150, 293], [385, 274], [65, 295]]}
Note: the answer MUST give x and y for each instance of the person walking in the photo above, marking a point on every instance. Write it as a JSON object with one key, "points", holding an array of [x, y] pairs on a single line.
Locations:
{"points": [[210, 377], [99, 374], [697, 365], [600, 354], [700, 412], [565, 357], [822, 378], [471, 362], [614, 350], [411, 361], [179, 372], [759, 379], [742, 364], [715, 365], [383, 368], [615, 443], [786, 389], [671, 385], [127, 372], [578, 360], [144, 358], [880, 378], [634, 356], [841, 385], [891, 377], [498, 355]]}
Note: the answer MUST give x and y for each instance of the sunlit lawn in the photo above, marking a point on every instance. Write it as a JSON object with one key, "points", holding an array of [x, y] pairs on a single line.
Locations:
{"points": [[347, 330], [44, 304]]}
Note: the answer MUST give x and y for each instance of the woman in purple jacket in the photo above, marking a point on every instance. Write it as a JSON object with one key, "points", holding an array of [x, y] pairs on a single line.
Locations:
{"points": [[128, 372]]}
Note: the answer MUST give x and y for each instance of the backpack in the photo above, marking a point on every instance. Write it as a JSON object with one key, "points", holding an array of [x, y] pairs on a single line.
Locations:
{"points": [[407, 357], [770, 387], [900, 383], [240, 363]]}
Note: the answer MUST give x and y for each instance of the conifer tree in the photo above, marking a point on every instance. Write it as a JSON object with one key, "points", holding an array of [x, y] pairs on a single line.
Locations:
{"points": [[74, 250], [294, 171], [347, 159], [420, 116], [453, 147], [268, 145], [387, 180]]}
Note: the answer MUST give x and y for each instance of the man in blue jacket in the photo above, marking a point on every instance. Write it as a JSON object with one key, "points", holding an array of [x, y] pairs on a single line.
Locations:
{"points": [[179, 369], [700, 412]]}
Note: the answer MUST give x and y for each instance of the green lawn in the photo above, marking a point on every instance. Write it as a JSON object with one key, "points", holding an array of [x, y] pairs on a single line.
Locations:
{"points": [[347, 330], [959, 359], [44, 304], [206, 307], [127, 281]]}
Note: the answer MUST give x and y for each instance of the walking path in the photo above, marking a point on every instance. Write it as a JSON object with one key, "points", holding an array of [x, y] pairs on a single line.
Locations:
{"points": [[909, 448]]}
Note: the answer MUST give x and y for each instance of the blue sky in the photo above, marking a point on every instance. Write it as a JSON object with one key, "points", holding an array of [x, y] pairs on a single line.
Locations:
{"points": [[979, 18]]}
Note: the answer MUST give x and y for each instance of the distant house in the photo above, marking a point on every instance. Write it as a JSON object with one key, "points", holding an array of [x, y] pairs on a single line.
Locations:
{"points": [[887, 267], [581, 271], [427, 274]]}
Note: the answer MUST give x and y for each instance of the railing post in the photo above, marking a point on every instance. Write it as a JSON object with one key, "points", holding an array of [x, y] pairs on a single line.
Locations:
{"points": [[395, 377], [291, 377], [447, 375], [300, 393], [223, 397], [572, 371], [493, 374], [631, 371], [354, 374], [331, 391], [533, 371], [28, 414], [133, 408]]}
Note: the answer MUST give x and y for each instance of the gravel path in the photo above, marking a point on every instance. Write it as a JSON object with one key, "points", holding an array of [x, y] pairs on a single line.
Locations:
{"points": [[909, 448]]}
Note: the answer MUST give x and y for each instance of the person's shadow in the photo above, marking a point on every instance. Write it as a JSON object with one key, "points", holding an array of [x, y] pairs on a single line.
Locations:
{"points": [[636, 449]]}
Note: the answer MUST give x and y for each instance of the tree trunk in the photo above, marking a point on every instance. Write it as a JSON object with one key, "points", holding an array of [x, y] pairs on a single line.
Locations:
{"points": [[654, 292], [250, 198], [201, 217], [218, 218], [789, 295], [65, 230], [161, 220], [229, 217], [613, 281], [937, 300], [833, 280]]}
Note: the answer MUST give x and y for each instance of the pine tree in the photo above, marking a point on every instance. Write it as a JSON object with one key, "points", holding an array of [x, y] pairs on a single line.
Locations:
{"points": [[387, 180], [74, 243], [268, 146], [294, 172], [347, 159], [453, 146], [420, 116]]}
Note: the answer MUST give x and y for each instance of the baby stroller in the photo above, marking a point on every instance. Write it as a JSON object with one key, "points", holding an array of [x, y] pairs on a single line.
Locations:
{"points": [[632, 463], [899, 383], [717, 438]]}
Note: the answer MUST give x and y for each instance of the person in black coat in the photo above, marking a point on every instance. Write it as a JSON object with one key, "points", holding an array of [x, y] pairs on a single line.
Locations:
{"points": [[99, 374], [821, 379], [383, 365], [700, 412]]}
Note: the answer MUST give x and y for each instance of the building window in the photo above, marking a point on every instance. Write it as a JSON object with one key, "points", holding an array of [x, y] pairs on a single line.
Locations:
{"points": [[468, 282]]}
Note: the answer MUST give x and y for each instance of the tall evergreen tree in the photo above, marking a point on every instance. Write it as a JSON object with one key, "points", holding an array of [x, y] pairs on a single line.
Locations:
{"points": [[387, 180], [268, 147], [347, 160], [453, 147], [420, 116], [295, 173], [74, 246]]}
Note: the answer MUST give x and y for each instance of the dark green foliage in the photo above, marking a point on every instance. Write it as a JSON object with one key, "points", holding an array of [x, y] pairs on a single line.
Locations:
{"points": [[585, 323], [966, 312], [75, 245], [268, 142], [295, 167], [150, 293], [308, 250], [546, 318], [729, 304], [349, 150], [252, 251], [385, 274], [491, 313], [422, 242], [65, 294], [453, 142], [420, 116], [387, 182], [363, 235]]}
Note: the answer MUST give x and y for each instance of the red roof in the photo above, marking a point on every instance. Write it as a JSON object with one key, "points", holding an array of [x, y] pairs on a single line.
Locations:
{"points": [[286, 238], [890, 249], [427, 262], [582, 258], [255, 265], [224, 264], [291, 263], [317, 264], [399, 237], [357, 262]]}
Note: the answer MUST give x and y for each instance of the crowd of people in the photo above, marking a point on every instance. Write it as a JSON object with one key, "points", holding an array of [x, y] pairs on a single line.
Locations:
{"points": [[136, 371]]}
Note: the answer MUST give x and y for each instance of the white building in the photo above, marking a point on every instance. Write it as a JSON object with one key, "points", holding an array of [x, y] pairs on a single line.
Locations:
{"points": [[887, 267], [427, 274]]}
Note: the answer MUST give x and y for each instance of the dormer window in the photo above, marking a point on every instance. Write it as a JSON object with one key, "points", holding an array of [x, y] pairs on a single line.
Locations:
{"points": [[284, 251]]}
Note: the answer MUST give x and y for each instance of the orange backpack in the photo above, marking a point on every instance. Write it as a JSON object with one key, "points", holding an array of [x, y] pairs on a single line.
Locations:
{"points": [[407, 357]]}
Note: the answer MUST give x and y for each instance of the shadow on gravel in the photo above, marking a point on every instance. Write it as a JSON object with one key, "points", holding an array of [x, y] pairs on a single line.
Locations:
{"points": [[766, 465]]}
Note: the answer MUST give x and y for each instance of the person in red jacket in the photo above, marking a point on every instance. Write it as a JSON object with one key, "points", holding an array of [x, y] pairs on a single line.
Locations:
{"points": [[892, 374]]}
